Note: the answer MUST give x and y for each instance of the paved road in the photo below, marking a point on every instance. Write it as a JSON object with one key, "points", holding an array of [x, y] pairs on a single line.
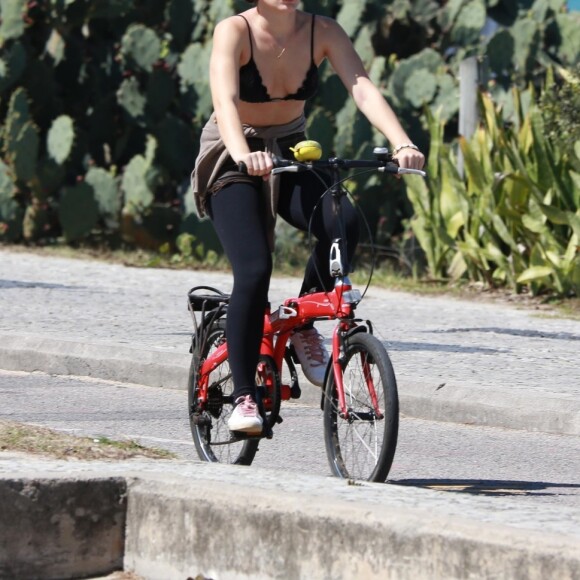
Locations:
{"points": [[539, 468], [455, 360]]}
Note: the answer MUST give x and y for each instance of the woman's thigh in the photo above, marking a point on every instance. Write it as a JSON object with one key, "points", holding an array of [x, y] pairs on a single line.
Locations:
{"points": [[238, 215], [302, 204]]}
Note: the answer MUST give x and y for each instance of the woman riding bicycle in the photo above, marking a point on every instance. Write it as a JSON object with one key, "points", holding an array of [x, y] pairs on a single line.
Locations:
{"points": [[263, 68]]}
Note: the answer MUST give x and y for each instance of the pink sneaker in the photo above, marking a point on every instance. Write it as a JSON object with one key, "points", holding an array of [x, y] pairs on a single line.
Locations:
{"points": [[313, 357], [245, 417]]}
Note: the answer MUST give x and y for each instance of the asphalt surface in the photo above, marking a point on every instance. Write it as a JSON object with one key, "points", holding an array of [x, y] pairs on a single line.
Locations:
{"points": [[485, 461], [458, 361], [489, 448]]}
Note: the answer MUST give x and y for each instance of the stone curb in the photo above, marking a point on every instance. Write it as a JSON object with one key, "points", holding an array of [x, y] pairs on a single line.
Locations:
{"points": [[157, 368], [229, 522]]}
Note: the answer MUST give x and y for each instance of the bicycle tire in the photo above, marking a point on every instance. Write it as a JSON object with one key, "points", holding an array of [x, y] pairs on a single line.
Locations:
{"points": [[209, 427], [363, 447], [211, 435]]}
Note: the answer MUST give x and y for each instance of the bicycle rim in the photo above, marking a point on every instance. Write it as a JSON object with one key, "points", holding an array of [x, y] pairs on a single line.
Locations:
{"points": [[211, 435], [363, 446]]}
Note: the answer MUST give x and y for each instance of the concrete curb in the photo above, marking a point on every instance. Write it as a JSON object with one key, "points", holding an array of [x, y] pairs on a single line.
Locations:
{"points": [[228, 522], [53, 528], [158, 368]]}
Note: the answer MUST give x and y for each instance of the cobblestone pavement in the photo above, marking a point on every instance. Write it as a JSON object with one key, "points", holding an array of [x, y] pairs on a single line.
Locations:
{"points": [[450, 348]]}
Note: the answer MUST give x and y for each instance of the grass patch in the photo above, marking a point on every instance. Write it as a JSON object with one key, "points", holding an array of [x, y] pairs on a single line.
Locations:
{"points": [[24, 438]]}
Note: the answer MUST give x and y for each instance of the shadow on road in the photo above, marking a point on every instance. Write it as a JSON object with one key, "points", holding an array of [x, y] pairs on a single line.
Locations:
{"points": [[19, 284], [490, 487], [513, 332]]}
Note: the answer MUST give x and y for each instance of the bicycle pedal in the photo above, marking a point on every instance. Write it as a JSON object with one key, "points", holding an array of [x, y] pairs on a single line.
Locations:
{"points": [[236, 436], [279, 420], [295, 391]]}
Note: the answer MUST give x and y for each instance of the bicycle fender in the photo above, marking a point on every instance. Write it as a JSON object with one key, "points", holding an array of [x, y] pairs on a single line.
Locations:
{"points": [[357, 330]]}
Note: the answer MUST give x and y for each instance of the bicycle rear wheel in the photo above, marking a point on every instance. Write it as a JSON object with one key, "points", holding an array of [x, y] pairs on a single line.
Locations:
{"points": [[209, 427], [213, 440], [362, 446]]}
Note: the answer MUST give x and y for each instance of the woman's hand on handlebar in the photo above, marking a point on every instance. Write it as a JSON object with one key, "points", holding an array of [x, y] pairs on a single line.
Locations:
{"points": [[409, 158], [257, 163]]}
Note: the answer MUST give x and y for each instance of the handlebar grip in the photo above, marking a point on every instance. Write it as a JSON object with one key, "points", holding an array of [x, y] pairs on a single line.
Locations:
{"points": [[278, 162], [392, 167]]}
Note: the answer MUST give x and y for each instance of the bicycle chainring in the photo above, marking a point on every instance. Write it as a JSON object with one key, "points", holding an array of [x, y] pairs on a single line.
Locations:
{"points": [[215, 400]]}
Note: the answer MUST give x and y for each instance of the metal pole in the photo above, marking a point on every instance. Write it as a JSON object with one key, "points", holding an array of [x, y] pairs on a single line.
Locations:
{"points": [[468, 111]]}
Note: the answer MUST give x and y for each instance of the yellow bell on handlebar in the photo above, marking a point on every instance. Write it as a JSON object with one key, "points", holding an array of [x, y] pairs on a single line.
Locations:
{"points": [[307, 151]]}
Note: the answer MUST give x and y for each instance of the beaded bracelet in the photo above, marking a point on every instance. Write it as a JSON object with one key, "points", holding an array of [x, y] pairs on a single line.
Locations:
{"points": [[405, 146]]}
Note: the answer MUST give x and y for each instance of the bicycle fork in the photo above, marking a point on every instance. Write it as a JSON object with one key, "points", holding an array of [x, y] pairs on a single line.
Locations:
{"points": [[339, 337]]}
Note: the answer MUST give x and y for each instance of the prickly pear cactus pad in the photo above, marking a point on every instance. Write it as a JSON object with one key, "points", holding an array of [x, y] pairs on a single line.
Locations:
{"points": [[107, 194], [60, 138], [140, 47], [10, 211], [78, 211], [12, 24]]}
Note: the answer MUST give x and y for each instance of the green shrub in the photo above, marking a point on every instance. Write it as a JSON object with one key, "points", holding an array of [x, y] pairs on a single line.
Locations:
{"points": [[513, 218]]}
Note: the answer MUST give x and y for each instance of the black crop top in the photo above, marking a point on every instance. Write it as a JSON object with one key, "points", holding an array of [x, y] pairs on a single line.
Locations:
{"points": [[252, 89]]}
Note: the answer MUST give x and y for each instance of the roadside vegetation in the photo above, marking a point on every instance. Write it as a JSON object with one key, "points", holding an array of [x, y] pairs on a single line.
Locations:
{"points": [[103, 168], [36, 440]]}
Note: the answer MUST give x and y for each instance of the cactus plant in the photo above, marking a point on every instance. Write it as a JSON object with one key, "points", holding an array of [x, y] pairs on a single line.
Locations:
{"points": [[176, 142], [111, 9], [23, 152], [49, 177], [17, 116], [140, 48], [321, 128], [123, 70], [192, 70], [107, 195], [21, 137], [12, 23], [159, 95], [131, 99], [36, 220], [78, 211], [180, 14], [350, 16], [10, 211], [12, 65], [136, 186], [60, 139], [153, 228]]}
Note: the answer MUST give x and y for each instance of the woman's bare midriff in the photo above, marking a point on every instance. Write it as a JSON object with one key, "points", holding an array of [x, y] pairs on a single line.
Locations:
{"points": [[269, 114]]}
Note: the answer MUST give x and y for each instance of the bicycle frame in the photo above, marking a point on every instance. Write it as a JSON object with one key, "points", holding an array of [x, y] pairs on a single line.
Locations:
{"points": [[338, 304]]}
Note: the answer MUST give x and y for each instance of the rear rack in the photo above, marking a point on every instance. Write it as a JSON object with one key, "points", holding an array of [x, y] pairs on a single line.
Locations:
{"points": [[204, 302], [211, 303]]}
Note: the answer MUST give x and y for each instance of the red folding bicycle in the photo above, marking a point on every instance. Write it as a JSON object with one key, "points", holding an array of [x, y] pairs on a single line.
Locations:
{"points": [[359, 399]]}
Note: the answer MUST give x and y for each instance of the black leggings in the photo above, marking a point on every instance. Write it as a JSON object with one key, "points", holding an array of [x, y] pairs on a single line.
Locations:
{"points": [[238, 212]]}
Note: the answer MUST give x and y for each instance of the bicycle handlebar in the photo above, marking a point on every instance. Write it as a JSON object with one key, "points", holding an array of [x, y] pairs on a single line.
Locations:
{"points": [[385, 165]]}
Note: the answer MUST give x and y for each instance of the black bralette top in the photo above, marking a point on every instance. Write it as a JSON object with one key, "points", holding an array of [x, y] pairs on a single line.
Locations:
{"points": [[252, 89]]}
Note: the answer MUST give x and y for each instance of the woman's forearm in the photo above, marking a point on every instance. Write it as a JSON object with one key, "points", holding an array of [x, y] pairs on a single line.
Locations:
{"points": [[375, 108]]}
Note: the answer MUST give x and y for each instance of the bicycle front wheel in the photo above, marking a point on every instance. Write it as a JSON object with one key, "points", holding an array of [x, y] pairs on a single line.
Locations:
{"points": [[362, 445]]}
